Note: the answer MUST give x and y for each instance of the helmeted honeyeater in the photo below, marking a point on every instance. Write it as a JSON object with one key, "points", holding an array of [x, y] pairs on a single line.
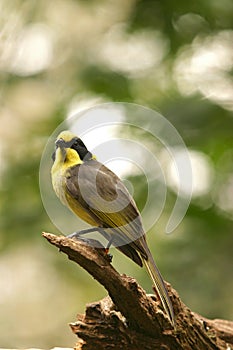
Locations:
{"points": [[95, 194]]}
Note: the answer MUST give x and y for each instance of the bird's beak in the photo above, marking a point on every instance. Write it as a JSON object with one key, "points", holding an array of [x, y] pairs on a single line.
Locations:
{"points": [[60, 143]]}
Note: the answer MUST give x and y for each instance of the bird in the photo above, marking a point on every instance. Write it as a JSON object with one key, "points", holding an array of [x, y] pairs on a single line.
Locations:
{"points": [[99, 197]]}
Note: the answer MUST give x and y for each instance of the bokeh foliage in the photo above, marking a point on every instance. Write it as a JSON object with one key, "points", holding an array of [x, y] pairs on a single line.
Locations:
{"points": [[175, 57]]}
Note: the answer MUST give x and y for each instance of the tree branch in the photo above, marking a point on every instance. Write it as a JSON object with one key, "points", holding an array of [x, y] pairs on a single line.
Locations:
{"points": [[130, 319]]}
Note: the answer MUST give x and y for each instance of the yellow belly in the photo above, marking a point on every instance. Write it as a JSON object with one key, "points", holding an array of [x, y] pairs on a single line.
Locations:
{"points": [[76, 208], [59, 185]]}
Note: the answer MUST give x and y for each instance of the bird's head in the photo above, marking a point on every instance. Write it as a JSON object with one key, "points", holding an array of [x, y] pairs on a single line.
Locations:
{"points": [[69, 147]]}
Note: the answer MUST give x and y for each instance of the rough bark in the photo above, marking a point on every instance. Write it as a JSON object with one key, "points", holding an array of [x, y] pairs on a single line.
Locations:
{"points": [[128, 318]]}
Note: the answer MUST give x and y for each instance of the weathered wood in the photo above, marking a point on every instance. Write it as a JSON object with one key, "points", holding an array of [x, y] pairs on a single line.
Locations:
{"points": [[130, 319]]}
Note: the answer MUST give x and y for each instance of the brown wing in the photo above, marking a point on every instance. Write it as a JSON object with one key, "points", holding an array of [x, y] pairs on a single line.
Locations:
{"points": [[102, 194]]}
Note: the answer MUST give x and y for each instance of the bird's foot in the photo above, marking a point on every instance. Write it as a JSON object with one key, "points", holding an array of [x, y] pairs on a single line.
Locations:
{"points": [[78, 235], [108, 255]]}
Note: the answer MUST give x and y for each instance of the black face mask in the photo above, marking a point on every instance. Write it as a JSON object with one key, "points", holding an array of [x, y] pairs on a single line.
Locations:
{"points": [[81, 149], [75, 144]]}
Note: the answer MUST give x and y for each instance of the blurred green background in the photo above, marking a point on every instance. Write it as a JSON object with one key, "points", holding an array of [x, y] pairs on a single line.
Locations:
{"points": [[175, 57]]}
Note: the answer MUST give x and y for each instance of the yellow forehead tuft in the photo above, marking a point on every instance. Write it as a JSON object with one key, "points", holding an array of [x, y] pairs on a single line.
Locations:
{"points": [[66, 135]]}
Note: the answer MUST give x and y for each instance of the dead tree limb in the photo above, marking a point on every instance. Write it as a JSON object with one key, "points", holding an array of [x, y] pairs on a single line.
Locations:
{"points": [[130, 319]]}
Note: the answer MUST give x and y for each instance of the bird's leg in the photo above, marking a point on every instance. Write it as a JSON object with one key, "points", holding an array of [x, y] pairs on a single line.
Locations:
{"points": [[90, 241], [107, 249], [77, 234], [109, 244]]}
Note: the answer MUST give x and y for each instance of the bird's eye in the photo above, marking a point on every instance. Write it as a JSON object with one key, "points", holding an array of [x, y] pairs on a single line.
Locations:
{"points": [[75, 144]]}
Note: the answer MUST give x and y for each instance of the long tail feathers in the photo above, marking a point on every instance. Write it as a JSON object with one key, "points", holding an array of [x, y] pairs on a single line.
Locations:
{"points": [[160, 287]]}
